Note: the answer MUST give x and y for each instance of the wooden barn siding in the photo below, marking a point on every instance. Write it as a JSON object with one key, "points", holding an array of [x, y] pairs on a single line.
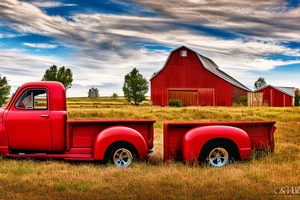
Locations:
{"points": [[237, 92], [206, 97], [159, 96], [188, 72], [275, 98], [288, 101]]}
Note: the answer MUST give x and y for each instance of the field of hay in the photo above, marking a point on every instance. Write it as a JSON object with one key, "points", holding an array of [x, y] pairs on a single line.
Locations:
{"points": [[271, 176]]}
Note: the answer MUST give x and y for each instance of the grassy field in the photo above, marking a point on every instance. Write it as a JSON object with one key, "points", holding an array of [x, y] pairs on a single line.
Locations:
{"points": [[258, 178]]}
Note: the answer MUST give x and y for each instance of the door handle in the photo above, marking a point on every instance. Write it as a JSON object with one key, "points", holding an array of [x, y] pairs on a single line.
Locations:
{"points": [[46, 116]]}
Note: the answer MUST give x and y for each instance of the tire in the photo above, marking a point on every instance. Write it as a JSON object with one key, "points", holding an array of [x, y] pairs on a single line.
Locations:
{"points": [[217, 153], [218, 157], [121, 157]]}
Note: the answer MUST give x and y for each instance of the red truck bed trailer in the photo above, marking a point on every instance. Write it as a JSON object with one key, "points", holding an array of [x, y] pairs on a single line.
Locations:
{"points": [[216, 142]]}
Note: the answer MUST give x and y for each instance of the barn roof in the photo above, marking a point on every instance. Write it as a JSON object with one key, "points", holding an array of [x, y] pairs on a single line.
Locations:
{"points": [[286, 90], [210, 66]]}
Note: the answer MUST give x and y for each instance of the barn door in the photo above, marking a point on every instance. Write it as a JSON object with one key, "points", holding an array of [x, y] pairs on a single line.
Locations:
{"points": [[188, 97], [206, 97]]}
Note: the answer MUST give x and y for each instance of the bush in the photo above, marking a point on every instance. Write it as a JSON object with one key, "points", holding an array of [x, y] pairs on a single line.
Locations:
{"points": [[240, 101], [114, 96], [175, 102]]}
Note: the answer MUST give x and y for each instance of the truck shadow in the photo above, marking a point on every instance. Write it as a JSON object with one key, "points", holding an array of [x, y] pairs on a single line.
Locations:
{"points": [[153, 160]]}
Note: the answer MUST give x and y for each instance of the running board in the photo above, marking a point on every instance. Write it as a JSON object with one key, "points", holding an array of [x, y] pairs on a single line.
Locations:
{"points": [[65, 156]]}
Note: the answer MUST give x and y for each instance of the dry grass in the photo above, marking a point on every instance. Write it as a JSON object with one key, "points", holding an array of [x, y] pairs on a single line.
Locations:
{"points": [[254, 179]]}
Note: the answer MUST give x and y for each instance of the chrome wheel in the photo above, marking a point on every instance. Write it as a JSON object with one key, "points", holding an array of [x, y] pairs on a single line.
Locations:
{"points": [[122, 157], [218, 157]]}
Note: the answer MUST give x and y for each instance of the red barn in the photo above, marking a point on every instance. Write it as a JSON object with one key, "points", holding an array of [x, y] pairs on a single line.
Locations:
{"points": [[194, 79], [278, 96]]}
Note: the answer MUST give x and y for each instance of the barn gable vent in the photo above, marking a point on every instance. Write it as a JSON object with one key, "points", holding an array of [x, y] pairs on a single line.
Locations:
{"points": [[183, 53]]}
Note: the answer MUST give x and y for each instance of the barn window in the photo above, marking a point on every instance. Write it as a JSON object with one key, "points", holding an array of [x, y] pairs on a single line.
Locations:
{"points": [[183, 53]]}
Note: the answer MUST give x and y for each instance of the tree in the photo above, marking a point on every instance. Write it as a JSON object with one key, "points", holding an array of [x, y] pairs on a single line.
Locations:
{"points": [[114, 96], [63, 75], [260, 83], [135, 87], [4, 90], [93, 93], [297, 97]]}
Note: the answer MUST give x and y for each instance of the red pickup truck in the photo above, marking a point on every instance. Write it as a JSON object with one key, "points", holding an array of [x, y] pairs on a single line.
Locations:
{"points": [[34, 125]]}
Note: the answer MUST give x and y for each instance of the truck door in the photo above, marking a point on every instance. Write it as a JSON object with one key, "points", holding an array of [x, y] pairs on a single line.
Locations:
{"points": [[28, 122]]}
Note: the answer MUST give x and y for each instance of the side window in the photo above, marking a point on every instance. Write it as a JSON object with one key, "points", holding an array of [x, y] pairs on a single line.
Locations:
{"points": [[33, 100]]}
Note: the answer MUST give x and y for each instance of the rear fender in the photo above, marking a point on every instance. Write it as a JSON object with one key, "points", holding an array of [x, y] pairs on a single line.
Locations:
{"points": [[115, 134], [194, 140]]}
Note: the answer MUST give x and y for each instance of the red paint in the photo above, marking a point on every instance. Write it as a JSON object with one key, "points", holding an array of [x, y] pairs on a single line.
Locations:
{"points": [[184, 141], [46, 133], [189, 73], [275, 98]]}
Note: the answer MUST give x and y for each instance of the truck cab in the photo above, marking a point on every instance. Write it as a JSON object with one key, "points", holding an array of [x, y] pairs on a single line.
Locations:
{"points": [[35, 118]]}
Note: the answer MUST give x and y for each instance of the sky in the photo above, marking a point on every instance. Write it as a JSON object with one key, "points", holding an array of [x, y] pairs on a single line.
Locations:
{"points": [[102, 41]]}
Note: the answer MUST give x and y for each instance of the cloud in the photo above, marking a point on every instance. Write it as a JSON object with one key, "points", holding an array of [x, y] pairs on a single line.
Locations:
{"points": [[105, 46], [161, 31], [41, 45], [49, 4], [9, 35], [93, 34], [261, 18], [86, 71]]}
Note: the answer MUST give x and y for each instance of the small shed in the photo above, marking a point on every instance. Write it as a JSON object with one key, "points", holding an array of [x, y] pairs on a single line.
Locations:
{"points": [[195, 80], [275, 96]]}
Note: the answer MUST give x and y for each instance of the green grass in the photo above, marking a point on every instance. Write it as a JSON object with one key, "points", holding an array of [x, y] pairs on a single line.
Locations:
{"points": [[154, 179]]}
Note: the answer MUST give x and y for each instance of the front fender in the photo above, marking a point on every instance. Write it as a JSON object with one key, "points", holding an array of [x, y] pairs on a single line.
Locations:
{"points": [[3, 140], [194, 140], [3, 134], [118, 133]]}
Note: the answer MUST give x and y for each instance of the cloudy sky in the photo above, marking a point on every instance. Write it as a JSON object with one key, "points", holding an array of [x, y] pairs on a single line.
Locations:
{"points": [[101, 41]]}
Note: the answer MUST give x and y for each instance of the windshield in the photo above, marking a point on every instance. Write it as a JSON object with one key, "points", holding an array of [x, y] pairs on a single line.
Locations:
{"points": [[12, 96]]}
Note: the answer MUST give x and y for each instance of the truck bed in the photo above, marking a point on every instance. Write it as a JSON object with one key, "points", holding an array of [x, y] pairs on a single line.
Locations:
{"points": [[80, 134], [260, 133]]}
